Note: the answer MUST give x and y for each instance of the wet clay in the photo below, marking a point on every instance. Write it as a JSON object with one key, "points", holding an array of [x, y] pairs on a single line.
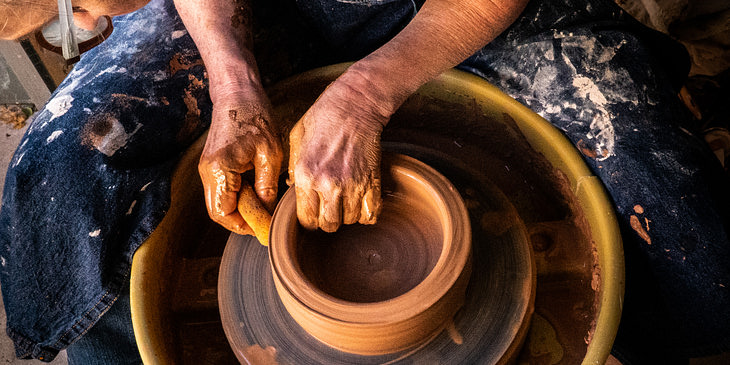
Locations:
{"points": [[382, 288]]}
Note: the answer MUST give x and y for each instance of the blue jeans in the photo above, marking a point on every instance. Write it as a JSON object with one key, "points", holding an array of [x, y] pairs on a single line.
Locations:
{"points": [[90, 179], [110, 341]]}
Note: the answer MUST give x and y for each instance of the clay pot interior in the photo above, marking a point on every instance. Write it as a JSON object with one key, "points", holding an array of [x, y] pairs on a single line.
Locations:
{"points": [[365, 264], [402, 277]]}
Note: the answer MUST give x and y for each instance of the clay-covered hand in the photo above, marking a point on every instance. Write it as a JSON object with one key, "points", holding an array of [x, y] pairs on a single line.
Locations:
{"points": [[241, 137], [335, 158]]}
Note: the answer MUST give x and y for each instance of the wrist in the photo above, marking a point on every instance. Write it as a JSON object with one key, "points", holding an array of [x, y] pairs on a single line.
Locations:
{"points": [[380, 94], [235, 83]]}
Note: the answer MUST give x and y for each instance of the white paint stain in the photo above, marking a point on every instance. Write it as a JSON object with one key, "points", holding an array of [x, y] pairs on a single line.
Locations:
{"points": [[53, 136], [601, 127], [115, 139], [160, 75], [178, 33], [586, 88], [112, 69], [59, 105], [602, 130], [18, 158], [95, 233]]}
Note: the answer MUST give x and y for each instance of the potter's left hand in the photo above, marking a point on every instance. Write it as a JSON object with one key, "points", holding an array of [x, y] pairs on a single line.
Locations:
{"points": [[335, 157]]}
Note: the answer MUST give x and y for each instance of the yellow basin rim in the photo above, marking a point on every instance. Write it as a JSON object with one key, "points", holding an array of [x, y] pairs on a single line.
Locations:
{"points": [[599, 212]]}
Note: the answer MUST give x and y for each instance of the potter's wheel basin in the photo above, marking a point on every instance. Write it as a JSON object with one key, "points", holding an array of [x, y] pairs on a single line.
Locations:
{"points": [[479, 131]]}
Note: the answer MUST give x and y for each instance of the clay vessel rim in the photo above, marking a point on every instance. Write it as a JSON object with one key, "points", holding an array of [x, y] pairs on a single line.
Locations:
{"points": [[454, 256]]}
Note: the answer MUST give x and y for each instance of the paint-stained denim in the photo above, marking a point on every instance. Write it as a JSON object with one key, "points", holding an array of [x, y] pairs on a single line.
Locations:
{"points": [[90, 179]]}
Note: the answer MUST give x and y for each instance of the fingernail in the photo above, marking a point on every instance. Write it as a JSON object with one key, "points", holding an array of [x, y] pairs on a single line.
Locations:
{"points": [[329, 227], [267, 194]]}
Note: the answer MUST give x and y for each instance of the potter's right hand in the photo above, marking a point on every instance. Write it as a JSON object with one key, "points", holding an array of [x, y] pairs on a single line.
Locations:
{"points": [[242, 137]]}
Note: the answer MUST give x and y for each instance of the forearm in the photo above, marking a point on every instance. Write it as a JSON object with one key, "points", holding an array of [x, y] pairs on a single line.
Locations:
{"points": [[221, 31], [443, 33]]}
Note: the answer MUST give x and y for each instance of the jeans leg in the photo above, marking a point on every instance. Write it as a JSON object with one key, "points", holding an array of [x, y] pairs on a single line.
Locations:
{"points": [[110, 341]]}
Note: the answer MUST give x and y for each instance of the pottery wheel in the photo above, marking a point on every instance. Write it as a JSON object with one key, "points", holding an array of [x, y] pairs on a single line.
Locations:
{"points": [[488, 329]]}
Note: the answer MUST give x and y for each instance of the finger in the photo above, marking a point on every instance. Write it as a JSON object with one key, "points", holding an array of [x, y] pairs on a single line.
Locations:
{"points": [[330, 210], [234, 223], [266, 171], [295, 138], [371, 203], [307, 207], [254, 214], [351, 206], [222, 187]]}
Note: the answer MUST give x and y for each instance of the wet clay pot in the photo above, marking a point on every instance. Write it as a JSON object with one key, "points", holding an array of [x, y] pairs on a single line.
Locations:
{"points": [[383, 288]]}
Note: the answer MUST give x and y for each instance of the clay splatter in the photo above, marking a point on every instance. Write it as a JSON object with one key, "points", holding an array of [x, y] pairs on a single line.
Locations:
{"points": [[454, 333], [636, 225], [131, 208], [179, 62], [585, 150], [258, 355], [192, 117]]}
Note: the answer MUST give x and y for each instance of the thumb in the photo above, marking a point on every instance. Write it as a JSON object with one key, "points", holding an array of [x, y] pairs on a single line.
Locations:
{"points": [[267, 166]]}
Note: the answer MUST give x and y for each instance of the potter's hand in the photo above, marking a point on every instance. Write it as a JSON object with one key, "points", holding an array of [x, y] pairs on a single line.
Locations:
{"points": [[335, 158], [241, 138]]}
